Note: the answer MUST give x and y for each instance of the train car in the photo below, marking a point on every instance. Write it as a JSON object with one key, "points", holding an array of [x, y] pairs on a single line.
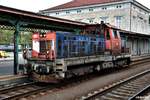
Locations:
{"points": [[59, 55]]}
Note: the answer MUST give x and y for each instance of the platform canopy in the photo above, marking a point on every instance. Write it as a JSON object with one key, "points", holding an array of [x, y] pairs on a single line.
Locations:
{"points": [[29, 20]]}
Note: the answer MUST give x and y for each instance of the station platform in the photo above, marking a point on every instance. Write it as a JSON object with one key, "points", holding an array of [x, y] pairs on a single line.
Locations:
{"points": [[13, 79], [140, 57], [6, 59]]}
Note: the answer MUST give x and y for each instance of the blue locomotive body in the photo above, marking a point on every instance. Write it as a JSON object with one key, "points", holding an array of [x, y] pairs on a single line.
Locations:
{"points": [[71, 45]]}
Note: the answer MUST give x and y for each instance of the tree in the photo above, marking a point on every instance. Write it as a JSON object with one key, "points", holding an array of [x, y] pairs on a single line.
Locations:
{"points": [[7, 37], [25, 38]]}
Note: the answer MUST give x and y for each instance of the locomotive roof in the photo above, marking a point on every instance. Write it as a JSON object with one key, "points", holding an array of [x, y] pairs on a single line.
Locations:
{"points": [[127, 32], [114, 27]]}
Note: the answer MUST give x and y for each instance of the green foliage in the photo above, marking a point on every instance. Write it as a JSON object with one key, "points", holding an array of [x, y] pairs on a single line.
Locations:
{"points": [[25, 38], [7, 37]]}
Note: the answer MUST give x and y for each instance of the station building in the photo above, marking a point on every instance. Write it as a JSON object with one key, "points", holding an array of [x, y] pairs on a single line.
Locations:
{"points": [[129, 15]]}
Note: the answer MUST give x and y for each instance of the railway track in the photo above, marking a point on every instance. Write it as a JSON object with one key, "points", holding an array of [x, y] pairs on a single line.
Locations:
{"points": [[126, 89], [27, 89], [143, 94], [140, 61], [22, 90], [33, 88], [5, 86]]}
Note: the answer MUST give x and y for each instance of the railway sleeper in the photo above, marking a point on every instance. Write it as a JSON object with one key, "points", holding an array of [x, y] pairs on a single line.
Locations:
{"points": [[115, 96], [122, 93]]}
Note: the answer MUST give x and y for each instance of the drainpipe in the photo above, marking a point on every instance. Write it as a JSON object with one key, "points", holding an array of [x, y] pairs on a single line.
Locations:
{"points": [[130, 15]]}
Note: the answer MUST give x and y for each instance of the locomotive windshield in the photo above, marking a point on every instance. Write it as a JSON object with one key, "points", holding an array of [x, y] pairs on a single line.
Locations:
{"points": [[42, 46], [45, 45]]}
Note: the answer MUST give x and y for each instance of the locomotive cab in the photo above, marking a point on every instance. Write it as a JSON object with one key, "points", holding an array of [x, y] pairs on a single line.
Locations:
{"points": [[43, 45], [112, 41], [35, 45]]}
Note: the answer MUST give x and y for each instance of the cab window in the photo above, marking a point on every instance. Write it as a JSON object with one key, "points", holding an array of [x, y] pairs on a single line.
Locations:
{"points": [[107, 34], [115, 34]]}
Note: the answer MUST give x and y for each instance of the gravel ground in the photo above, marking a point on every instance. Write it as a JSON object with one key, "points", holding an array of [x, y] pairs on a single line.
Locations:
{"points": [[81, 89]]}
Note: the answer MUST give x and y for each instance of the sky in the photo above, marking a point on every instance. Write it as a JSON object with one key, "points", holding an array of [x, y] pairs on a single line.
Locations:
{"points": [[36, 5]]}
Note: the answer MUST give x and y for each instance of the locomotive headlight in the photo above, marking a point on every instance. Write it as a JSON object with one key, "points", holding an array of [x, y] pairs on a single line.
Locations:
{"points": [[24, 51], [34, 67], [44, 35], [48, 70], [47, 52], [117, 44]]}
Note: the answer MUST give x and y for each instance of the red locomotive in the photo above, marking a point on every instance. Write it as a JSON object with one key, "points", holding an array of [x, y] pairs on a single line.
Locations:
{"points": [[59, 55]]}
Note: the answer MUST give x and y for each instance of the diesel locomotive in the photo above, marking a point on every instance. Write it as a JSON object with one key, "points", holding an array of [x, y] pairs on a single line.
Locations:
{"points": [[59, 55]]}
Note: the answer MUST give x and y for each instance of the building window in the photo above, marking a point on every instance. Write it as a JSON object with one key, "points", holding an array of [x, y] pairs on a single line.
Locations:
{"points": [[91, 9], [104, 8], [118, 21], [104, 19], [78, 11], [118, 6], [134, 17], [57, 13], [67, 12], [91, 20]]}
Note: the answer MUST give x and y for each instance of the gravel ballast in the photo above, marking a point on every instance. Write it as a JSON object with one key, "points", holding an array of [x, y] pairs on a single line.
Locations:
{"points": [[84, 88]]}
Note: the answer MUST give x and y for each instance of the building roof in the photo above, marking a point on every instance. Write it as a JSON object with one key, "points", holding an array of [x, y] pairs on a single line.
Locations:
{"points": [[79, 3]]}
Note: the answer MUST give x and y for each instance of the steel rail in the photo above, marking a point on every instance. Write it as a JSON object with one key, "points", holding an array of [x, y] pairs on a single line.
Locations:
{"points": [[30, 92], [7, 90], [11, 88], [134, 96], [123, 90], [15, 91]]}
